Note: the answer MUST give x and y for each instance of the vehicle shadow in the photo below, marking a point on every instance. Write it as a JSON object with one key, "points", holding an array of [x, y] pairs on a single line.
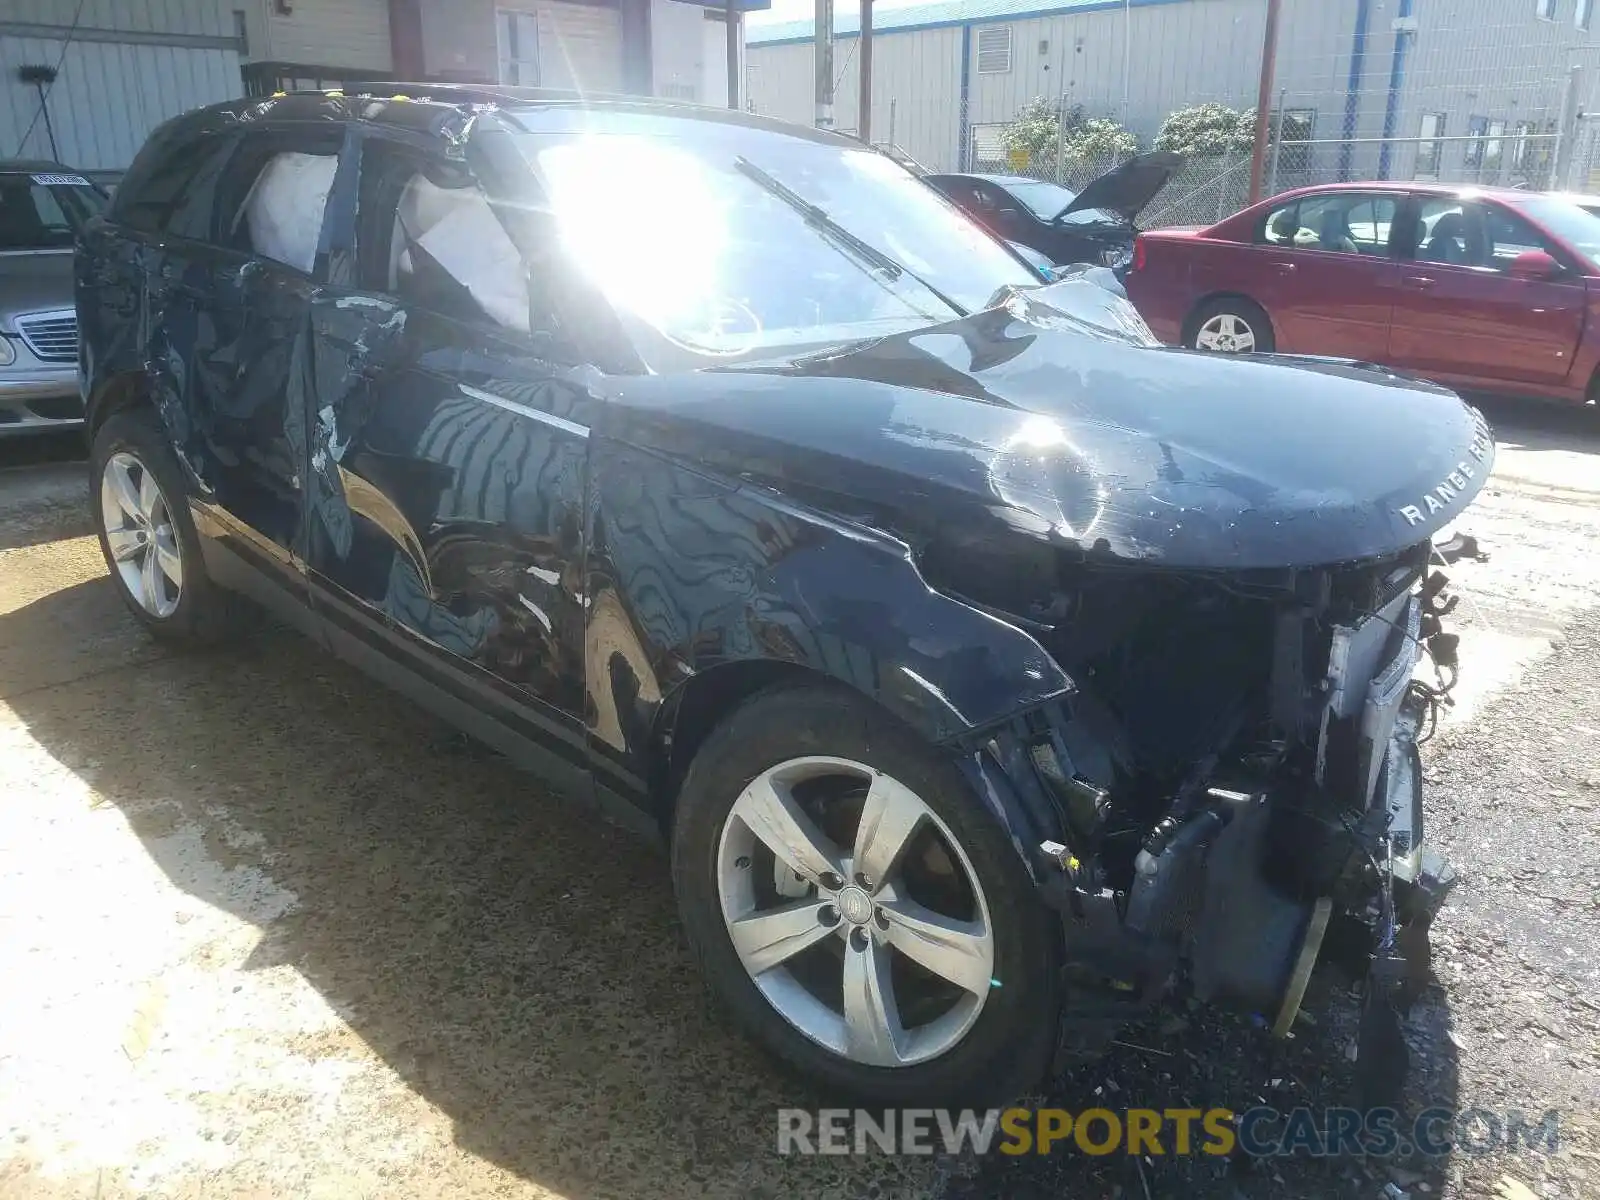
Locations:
{"points": [[1539, 426], [517, 961], [513, 958], [42, 502]]}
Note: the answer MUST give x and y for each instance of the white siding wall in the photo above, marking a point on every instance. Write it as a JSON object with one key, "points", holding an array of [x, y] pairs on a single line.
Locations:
{"points": [[916, 90], [322, 33], [1182, 54], [109, 95], [688, 54], [713, 64], [212, 17], [781, 82], [1489, 58], [1493, 59], [580, 45]]}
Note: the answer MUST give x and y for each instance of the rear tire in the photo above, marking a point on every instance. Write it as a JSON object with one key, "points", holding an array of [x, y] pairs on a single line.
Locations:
{"points": [[139, 498], [1230, 325], [994, 953]]}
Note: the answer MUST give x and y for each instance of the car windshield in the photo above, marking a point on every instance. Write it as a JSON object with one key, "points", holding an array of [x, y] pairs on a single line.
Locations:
{"points": [[727, 239], [44, 211], [1574, 225], [1045, 200]]}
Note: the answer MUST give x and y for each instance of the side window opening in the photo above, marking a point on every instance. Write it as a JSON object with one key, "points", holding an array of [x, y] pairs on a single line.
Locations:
{"points": [[176, 193], [1452, 233], [1282, 225], [275, 195], [282, 216], [1340, 223], [1508, 236], [430, 237]]}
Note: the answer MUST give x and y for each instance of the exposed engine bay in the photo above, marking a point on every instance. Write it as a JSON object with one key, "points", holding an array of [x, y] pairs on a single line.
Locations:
{"points": [[1238, 775]]}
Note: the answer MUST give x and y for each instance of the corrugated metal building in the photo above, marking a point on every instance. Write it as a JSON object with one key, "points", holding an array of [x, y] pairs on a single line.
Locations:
{"points": [[124, 69], [948, 75], [124, 66]]}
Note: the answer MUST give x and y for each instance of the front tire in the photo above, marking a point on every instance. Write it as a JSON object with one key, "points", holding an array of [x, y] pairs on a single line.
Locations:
{"points": [[141, 511], [1230, 325], [859, 910]]}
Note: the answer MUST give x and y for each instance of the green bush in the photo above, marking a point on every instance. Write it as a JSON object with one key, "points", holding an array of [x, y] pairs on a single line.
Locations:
{"points": [[1042, 132], [1207, 129]]}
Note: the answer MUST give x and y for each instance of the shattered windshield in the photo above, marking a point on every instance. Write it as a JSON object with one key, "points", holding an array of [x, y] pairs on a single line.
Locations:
{"points": [[728, 239]]}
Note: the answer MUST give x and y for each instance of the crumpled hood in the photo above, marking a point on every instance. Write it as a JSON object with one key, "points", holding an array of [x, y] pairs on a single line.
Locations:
{"points": [[1128, 189], [1027, 418], [30, 282]]}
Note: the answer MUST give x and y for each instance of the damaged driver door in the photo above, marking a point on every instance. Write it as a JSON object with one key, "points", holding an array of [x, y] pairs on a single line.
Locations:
{"points": [[449, 466]]}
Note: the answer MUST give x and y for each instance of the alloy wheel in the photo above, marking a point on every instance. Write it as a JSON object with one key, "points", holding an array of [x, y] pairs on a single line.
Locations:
{"points": [[855, 911], [1226, 333], [140, 534]]}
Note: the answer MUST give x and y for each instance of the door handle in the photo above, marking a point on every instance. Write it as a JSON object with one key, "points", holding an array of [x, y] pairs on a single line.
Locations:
{"points": [[1285, 268], [1421, 282]]}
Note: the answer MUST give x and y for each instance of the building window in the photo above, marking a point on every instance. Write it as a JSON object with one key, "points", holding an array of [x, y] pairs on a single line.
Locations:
{"points": [[1428, 148], [1583, 16], [1494, 150], [1545, 10], [1520, 145], [518, 35], [994, 49], [1476, 128]]}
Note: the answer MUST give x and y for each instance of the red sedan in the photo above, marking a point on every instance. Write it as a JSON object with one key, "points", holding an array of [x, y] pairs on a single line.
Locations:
{"points": [[1482, 289]]}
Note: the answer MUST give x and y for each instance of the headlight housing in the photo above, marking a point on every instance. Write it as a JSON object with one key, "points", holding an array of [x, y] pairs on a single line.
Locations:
{"points": [[8, 352]]}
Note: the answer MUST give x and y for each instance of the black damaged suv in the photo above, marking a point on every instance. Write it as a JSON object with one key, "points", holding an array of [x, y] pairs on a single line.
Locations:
{"points": [[983, 663]]}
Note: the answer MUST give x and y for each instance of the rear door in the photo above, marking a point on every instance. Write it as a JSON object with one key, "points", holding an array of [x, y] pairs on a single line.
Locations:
{"points": [[1460, 316], [449, 461], [1322, 268], [257, 278], [224, 304]]}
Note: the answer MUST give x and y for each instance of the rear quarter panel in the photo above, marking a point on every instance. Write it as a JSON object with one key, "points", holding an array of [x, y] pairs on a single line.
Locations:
{"points": [[1164, 289]]}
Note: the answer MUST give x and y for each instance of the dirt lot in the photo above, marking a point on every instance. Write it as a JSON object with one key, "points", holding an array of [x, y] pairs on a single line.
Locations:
{"points": [[267, 931]]}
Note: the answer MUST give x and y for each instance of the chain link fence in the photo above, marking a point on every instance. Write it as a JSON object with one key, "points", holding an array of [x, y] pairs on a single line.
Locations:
{"points": [[1210, 187], [1582, 173], [1494, 92], [1205, 189]]}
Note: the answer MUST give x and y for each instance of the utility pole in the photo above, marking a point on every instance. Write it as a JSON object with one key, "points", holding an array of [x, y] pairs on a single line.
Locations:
{"points": [[1269, 69], [824, 62], [864, 103], [730, 14]]}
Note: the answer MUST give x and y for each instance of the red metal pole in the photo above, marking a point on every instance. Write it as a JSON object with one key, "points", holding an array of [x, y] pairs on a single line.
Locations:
{"points": [[1269, 70]]}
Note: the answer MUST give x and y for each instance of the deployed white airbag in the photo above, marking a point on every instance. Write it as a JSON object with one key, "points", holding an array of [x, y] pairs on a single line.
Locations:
{"points": [[457, 229], [285, 207]]}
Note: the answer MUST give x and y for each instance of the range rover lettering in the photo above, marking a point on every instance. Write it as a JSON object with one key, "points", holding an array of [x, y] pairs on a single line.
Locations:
{"points": [[981, 662]]}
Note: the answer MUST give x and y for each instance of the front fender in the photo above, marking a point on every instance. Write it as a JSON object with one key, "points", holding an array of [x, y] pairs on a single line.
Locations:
{"points": [[690, 576], [712, 573]]}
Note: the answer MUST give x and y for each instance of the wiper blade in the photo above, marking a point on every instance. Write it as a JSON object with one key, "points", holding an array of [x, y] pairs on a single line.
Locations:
{"points": [[819, 220]]}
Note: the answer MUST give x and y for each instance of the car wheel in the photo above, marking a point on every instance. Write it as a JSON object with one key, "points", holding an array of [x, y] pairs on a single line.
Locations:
{"points": [[1231, 326], [859, 909], [141, 511]]}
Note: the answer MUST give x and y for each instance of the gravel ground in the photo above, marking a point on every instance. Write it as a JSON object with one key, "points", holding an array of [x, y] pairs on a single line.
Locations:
{"points": [[267, 931]]}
